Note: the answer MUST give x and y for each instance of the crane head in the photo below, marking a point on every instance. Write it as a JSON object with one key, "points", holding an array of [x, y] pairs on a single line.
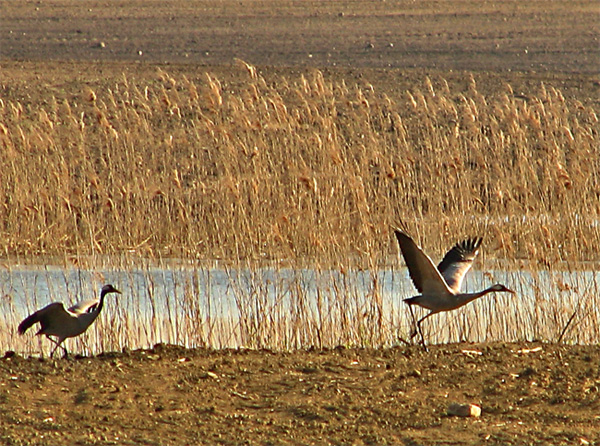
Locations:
{"points": [[501, 288], [109, 289]]}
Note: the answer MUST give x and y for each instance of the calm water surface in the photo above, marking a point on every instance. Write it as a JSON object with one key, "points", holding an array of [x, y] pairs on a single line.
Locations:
{"points": [[231, 294]]}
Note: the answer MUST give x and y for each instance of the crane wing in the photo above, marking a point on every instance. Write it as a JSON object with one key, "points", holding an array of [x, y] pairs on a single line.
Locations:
{"points": [[84, 306], [457, 262], [425, 276], [53, 314]]}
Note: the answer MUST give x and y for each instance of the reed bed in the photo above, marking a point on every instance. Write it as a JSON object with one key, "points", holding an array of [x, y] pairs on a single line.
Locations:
{"points": [[307, 173]]}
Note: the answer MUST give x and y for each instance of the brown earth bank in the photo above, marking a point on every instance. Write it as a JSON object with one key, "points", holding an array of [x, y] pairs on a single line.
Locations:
{"points": [[529, 393]]}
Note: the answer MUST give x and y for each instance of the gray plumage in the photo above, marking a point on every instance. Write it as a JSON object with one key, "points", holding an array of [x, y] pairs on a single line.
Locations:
{"points": [[440, 286], [56, 321]]}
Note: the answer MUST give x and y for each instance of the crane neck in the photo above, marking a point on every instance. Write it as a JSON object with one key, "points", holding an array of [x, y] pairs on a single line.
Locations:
{"points": [[101, 302], [465, 298]]}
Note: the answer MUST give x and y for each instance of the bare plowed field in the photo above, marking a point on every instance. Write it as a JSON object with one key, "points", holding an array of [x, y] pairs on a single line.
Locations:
{"points": [[545, 36]]}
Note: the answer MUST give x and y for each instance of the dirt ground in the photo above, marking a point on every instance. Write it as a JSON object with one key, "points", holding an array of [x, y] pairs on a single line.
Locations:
{"points": [[530, 393], [515, 35]]}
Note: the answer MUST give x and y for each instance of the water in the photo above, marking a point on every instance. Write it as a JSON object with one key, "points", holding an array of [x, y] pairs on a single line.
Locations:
{"points": [[290, 308]]}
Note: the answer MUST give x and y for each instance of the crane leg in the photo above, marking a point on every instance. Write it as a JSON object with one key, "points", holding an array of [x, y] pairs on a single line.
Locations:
{"points": [[420, 330], [414, 332], [58, 344], [418, 327]]}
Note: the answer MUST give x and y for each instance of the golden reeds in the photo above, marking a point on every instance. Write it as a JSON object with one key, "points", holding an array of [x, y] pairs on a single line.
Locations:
{"points": [[308, 171], [304, 168]]}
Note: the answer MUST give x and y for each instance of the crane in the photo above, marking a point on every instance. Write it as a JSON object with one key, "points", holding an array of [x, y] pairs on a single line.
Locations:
{"points": [[440, 287], [56, 321]]}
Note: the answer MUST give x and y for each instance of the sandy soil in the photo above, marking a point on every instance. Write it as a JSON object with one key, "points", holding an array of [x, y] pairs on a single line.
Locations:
{"points": [[529, 393]]}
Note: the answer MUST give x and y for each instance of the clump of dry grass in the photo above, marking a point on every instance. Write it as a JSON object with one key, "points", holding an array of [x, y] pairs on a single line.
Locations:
{"points": [[302, 168], [306, 171]]}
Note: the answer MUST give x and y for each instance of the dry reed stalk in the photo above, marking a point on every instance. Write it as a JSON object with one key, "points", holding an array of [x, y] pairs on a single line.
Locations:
{"points": [[308, 170]]}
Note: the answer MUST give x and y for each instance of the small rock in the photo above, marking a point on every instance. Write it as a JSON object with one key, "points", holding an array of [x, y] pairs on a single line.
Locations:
{"points": [[209, 375], [464, 410], [471, 353], [525, 351]]}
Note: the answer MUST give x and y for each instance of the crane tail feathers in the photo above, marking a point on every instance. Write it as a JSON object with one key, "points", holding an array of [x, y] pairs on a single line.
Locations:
{"points": [[27, 323]]}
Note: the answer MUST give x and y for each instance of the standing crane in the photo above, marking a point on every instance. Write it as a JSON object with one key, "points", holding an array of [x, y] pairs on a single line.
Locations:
{"points": [[440, 287], [56, 321]]}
